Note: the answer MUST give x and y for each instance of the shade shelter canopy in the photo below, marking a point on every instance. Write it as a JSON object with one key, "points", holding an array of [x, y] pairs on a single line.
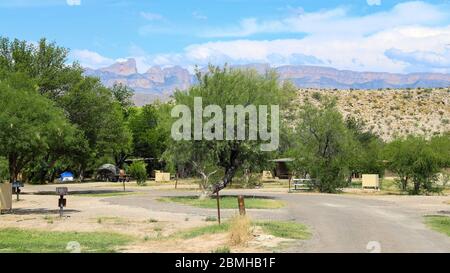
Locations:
{"points": [[108, 168]]}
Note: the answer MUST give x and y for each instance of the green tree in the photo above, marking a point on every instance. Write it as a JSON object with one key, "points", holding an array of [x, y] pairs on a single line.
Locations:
{"points": [[325, 146], [44, 62], [441, 146], [124, 96], [30, 125], [4, 173], [98, 113], [93, 109], [150, 130], [414, 160], [368, 152], [200, 157], [224, 87], [138, 171]]}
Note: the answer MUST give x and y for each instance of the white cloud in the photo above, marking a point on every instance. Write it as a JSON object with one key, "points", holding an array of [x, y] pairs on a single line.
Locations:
{"points": [[373, 2], [359, 53], [90, 59], [332, 38], [420, 59], [151, 16], [412, 36], [338, 22], [73, 2], [197, 15], [403, 49], [364, 53], [158, 24]]}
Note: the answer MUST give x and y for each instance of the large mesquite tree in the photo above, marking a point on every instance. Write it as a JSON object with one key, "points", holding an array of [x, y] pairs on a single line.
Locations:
{"points": [[229, 87], [30, 126], [325, 148], [96, 112]]}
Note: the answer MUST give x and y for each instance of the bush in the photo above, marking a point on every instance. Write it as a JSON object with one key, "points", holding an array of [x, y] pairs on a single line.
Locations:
{"points": [[248, 181], [417, 160], [138, 171]]}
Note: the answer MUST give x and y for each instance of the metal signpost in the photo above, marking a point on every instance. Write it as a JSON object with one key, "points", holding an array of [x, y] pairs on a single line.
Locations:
{"points": [[218, 206], [61, 191], [16, 188]]}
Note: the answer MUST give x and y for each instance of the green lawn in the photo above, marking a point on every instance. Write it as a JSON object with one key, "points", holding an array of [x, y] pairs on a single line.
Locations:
{"points": [[211, 229], [13, 240], [285, 229], [226, 202], [282, 229], [439, 223]]}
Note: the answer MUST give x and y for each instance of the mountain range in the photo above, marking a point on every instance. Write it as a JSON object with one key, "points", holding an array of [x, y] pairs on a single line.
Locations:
{"points": [[159, 82]]}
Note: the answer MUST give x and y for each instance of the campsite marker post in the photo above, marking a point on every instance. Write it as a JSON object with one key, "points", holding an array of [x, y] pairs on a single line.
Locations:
{"points": [[16, 186], [122, 177], [241, 204], [61, 191], [218, 206]]}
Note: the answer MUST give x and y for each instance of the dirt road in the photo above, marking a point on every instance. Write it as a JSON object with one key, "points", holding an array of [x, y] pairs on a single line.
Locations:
{"points": [[340, 223]]}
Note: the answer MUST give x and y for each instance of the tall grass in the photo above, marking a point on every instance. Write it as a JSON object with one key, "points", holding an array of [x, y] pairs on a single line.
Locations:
{"points": [[240, 230]]}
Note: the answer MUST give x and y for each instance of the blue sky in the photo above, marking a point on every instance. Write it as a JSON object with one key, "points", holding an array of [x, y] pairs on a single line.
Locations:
{"points": [[362, 35]]}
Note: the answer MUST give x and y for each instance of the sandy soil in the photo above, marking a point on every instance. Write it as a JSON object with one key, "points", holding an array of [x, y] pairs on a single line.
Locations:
{"points": [[150, 228], [339, 223]]}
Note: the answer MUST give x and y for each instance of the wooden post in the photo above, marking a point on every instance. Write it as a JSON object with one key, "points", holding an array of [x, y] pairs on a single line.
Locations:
{"points": [[60, 203], [122, 176], [176, 180], [218, 206], [290, 177], [241, 204]]}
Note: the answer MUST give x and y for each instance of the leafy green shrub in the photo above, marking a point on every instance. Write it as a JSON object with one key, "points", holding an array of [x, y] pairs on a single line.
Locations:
{"points": [[138, 171], [317, 96], [248, 181], [417, 160]]}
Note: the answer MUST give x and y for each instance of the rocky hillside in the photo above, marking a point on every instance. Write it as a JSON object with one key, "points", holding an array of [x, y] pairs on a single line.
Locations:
{"points": [[159, 82], [389, 113]]}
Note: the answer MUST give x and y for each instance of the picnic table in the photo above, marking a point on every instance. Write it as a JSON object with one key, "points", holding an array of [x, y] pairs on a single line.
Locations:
{"points": [[302, 183]]}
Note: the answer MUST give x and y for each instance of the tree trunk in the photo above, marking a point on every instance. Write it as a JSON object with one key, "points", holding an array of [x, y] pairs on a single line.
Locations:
{"points": [[12, 161], [52, 177], [416, 186], [405, 183], [229, 174]]}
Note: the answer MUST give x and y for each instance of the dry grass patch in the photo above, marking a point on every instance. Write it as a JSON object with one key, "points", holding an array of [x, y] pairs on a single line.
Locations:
{"points": [[240, 230]]}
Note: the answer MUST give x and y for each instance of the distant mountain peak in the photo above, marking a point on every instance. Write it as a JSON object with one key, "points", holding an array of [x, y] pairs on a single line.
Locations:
{"points": [[154, 69], [124, 68], [162, 81]]}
